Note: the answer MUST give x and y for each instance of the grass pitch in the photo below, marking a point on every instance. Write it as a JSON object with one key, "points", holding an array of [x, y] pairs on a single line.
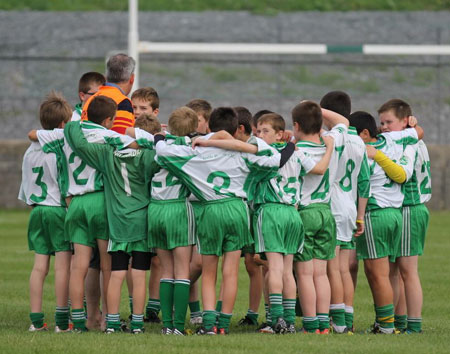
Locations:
{"points": [[16, 263]]}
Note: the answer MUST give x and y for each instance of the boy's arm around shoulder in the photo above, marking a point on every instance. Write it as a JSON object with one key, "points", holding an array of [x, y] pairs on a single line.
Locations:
{"points": [[321, 167], [93, 154], [334, 118]]}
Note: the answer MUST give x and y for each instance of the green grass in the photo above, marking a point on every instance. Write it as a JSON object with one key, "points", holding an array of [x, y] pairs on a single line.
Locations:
{"points": [[258, 6], [16, 263]]}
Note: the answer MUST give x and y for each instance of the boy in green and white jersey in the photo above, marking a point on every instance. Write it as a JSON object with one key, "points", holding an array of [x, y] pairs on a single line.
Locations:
{"points": [[349, 193], [86, 225], [383, 218], [394, 116], [173, 241], [40, 189], [127, 176], [318, 221], [87, 86], [220, 180], [277, 225]]}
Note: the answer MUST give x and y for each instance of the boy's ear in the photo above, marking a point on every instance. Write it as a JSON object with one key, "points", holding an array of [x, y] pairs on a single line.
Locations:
{"points": [[156, 111], [61, 125], [131, 79], [296, 126]]}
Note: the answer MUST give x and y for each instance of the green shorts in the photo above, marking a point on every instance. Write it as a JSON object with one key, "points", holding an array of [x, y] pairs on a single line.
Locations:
{"points": [[197, 208], [223, 226], [46, 230], [320, 233], [278, 228], [344, 245], [86, 219], [128, 247], [414, 230], [381, 237], [171, 224]]}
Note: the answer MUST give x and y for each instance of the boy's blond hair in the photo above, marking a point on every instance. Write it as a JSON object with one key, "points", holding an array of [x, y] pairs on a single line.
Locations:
{"points": [[54, 110], [147, 94], [148, 122], [183, 121], [275, 120]]}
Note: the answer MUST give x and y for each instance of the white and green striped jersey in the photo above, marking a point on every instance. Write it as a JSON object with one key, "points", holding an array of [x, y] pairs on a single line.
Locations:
{"points": [[127, 176], [40, 178], [418, 189], [81, 178], [316, 188], [398, 146], [212, 173], [76, 114], [164, 185], [285, 188], [351, 180]]}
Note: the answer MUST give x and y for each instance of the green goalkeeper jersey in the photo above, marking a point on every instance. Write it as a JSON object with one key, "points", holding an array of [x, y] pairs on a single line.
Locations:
{"points": [[127, 176]]}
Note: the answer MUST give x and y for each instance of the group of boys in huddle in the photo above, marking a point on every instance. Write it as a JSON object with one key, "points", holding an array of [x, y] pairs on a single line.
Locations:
{"points": [[301, 206]]}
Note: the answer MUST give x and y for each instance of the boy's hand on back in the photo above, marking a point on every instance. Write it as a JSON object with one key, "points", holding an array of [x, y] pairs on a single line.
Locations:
{"points": [[199, 142], [412, 121], [32, 135], [371, 151], [287, 136], [359, 229]]}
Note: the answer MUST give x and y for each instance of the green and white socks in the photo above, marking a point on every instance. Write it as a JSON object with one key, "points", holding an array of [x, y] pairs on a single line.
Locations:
{"points": [[62, 317], [79, 319], [166, 291], [194, 307], [276, 307], [337, 314], [181, 300], [349, 317], [385, 318], [289, 311], [37, 319]]}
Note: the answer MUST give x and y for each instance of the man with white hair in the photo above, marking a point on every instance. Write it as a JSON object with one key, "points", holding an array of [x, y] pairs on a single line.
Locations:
{"points": [[119, 81]]}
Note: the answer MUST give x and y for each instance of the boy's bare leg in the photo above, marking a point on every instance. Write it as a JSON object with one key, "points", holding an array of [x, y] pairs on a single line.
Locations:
{"points": [[377, 271], [80, 265], [275, 282], [182, 257], [337, 306], [323, 292], [209, 278], [307, 294], [256, 282], [105, 266], [93, 293], [37, 278], [62, 273], [230, 271], [195, 270], [139, 290], [413, 288], [129, 280], [153, 305], [114, 290], [347, 282], [353, 267]]}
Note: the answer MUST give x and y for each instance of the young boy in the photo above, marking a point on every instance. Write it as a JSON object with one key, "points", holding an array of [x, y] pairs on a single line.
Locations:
{"points": [[254, 271], [349, 190], [127, 175], [383, 218], [394, 116], [220, 180], [86, 224], [87, 86], [145, 100], [40, 189], [277, 225], [173, 241], [203, 109], [320, 229]]}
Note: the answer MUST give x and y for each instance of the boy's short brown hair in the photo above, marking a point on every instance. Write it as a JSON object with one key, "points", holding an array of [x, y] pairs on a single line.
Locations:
{"points": [[309, 117], [400, 108], [147, 94], [183, 121], [88, 79], [101, 108], [201, 107], [54, 110], [275, 120], [148, 122]]}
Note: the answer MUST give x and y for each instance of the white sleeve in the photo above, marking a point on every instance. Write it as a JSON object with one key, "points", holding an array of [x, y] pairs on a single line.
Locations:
{"points": [[307, 162], [49, 136]]}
